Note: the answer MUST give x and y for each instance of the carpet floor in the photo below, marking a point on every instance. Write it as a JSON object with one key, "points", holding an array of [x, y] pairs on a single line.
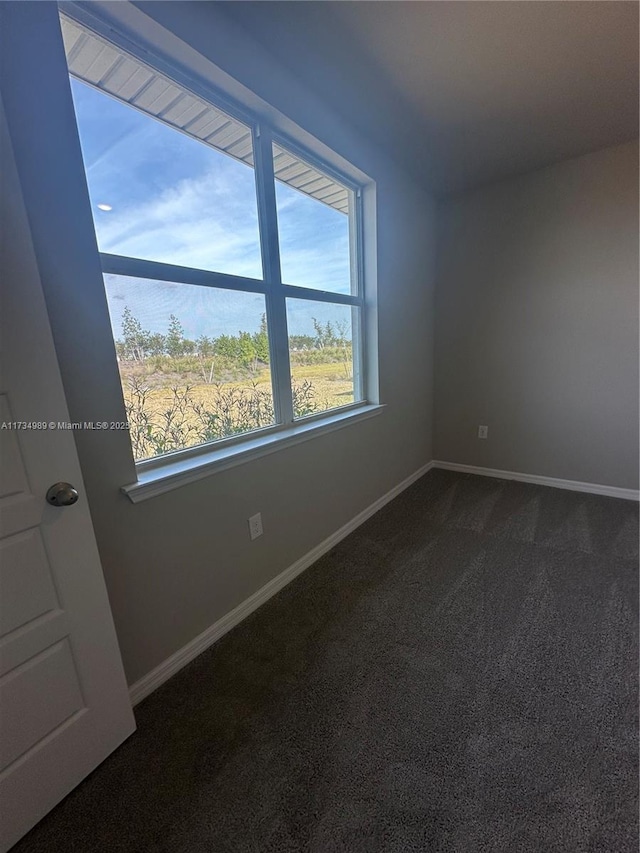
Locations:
{"points": [[459, 675]]}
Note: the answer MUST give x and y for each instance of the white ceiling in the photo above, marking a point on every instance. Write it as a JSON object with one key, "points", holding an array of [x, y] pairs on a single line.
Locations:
{"points": [[471, 92]]}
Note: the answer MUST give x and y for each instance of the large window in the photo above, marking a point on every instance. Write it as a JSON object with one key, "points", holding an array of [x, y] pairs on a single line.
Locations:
{"points": [[231, 257]]}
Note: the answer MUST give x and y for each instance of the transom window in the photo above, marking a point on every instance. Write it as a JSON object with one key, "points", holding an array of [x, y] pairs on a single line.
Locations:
{"points": [[231, 257]]}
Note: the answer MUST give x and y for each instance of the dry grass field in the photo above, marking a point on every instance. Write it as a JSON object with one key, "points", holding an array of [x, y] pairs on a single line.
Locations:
{"points": [[173, 410]]}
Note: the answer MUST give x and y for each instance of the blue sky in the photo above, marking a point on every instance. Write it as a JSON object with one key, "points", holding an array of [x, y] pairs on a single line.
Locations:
{"points": [[178, 201]]}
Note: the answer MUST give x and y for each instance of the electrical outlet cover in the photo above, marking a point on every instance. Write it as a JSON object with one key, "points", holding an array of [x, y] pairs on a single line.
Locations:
{"points": [[255, 526]]}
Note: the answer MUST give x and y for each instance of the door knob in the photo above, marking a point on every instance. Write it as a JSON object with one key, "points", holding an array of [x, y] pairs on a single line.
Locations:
{"points": [[62, 494]]}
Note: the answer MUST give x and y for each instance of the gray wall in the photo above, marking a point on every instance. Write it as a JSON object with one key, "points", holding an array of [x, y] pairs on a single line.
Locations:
{"points": [[177, 563], [537, 322], [537, 336]]}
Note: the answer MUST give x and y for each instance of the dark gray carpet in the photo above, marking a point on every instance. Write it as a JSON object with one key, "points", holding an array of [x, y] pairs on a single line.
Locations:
{"points": [[458, 675]]}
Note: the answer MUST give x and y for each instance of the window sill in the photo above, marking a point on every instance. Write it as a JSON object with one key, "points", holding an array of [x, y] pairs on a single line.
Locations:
{"points": [[174, 474]]}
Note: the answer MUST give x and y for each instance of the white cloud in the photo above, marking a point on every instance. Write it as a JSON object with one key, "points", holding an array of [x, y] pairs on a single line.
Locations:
{"points": [[205, 222]]}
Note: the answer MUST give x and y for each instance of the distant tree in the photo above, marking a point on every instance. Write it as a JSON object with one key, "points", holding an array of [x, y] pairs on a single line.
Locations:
{"points": [[261, 341], [174, 341], [135, 340], [319, 339], [302, 342], [204, 346], [155, 344], [205, 350], [344, 342], [325, 335], [247, 350], [341, 333], [227, 346], [329, 335]]}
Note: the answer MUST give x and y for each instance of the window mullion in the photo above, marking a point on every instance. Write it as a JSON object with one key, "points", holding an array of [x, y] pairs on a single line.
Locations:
{"points": [[357, 287], [140, 268], [296, 292], [276, 306]]}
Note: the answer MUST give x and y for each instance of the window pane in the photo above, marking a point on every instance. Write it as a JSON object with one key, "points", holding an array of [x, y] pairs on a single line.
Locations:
{"points": [[321, 352], [162, 195], [313, 226], [194, 362]]}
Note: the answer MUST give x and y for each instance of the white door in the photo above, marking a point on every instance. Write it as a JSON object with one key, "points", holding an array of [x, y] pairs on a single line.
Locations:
{"points": [[64, 704]]}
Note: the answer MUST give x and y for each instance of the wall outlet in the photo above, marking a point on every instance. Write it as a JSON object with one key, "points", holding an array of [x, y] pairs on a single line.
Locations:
{"points": [[255, 526], [483, 432]]}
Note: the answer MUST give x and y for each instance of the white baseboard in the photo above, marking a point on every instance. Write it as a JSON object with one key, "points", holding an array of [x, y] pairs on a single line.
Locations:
{"points": [[150, 682], [571, 485]]}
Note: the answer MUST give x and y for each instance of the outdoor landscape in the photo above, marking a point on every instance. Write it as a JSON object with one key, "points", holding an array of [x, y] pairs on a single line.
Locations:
{"points": [[180, 392]]}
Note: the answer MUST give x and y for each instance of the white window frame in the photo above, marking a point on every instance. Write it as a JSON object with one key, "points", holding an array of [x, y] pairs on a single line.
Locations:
{"points": [[171, 470]]}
